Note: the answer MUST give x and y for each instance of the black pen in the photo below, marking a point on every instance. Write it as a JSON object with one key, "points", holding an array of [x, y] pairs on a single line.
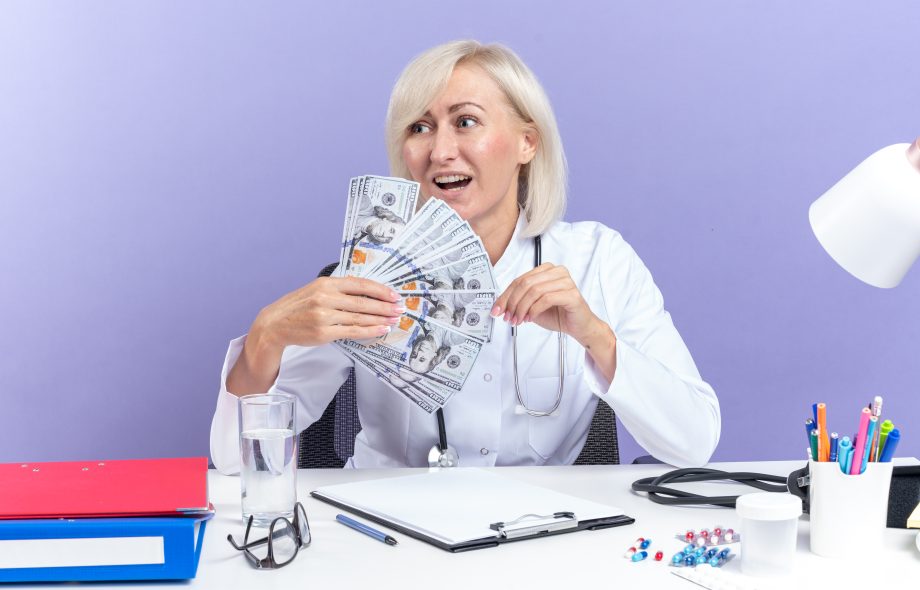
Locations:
{"points": [[363, 528]]}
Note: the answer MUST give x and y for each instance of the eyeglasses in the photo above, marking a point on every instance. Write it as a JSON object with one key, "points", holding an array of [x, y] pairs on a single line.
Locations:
{"points": [[283, 541]]}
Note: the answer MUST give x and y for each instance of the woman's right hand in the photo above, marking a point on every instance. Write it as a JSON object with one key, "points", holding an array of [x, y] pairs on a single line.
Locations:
{"points": [[327, 309]]}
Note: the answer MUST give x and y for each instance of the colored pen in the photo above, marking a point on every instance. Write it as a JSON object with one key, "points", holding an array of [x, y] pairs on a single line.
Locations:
{"points": [[870, 434], [825, 443], [814, 445], [849, 459], [363, 528], [809, 426], [834, 444], [814, 413], [842, 453], [860, 444], [883, 430], [877, 412], [894, 437], [820, 444]]}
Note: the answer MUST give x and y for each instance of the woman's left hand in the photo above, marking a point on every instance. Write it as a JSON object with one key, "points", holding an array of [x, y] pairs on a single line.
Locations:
{"points": [[549, 297]]}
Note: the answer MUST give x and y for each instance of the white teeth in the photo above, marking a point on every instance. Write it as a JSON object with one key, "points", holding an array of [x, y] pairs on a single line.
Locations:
{"points": [[446, 179]]}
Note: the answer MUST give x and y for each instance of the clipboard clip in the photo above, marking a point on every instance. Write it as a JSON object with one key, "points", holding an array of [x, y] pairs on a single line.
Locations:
{"points": [[535, 524]]}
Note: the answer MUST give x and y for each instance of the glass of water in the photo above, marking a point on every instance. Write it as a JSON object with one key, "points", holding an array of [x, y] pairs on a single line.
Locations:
{"points": [[268, 461]]}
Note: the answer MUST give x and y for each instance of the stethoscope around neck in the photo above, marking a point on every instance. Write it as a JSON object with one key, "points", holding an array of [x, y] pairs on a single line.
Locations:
{"points": [[444, 455]]}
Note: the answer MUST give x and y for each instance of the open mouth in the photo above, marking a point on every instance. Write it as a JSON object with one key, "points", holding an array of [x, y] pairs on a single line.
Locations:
{"points": [[453, 182]]}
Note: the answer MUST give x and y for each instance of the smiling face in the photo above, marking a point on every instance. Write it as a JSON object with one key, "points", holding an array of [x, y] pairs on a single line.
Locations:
{"points": [[468, 149]]}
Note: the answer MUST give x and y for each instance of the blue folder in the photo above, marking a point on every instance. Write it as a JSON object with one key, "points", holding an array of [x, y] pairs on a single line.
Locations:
{"points": [[101, 549]]}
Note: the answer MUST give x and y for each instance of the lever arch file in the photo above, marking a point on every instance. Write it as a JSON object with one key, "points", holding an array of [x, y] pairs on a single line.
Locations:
{"points": [[462, 509], [101, 549], [139, 487]]}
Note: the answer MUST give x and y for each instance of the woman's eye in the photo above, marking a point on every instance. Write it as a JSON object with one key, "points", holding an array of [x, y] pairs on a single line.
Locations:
{"points": [[419, 128], [467, 122]]}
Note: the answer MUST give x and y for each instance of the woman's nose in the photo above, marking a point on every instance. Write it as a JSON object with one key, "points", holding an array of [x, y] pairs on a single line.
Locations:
{"points": [[444, 148]]}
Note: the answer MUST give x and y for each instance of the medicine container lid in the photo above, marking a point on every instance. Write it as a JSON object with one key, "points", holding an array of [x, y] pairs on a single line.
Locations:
{"points": [[769, 506]]}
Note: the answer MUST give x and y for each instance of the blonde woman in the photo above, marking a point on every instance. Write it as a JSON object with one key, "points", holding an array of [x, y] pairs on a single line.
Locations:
{"points": [[473, 126]]}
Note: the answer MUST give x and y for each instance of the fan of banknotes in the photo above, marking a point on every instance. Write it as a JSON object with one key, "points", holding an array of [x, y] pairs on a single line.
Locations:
{"points": [[435, 261]]}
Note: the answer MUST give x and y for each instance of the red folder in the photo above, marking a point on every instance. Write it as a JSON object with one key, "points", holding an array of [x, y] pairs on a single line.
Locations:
{"points": [[141, 487]]}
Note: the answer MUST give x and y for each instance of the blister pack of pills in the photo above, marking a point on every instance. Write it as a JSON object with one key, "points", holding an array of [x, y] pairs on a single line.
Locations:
{"points": [[710, 538], [693, 556]]}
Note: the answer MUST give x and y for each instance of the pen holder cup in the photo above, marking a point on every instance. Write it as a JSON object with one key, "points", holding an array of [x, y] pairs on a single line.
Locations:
{"points": [[848, 512]]}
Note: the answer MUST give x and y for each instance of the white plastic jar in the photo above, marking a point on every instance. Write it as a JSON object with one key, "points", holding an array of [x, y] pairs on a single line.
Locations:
{"points": [[769, 529]]}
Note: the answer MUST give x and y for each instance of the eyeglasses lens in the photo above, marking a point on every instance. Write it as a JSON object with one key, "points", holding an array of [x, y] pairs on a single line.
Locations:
{"points": [[284, 541], [301, 518]]}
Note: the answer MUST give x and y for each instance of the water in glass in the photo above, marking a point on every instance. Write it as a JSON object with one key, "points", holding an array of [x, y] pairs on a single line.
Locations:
{"points": [[268, 474]]}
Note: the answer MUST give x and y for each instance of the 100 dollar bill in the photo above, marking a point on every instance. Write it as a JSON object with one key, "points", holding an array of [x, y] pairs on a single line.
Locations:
{"points": [[378, 214], [425, 348], [388, 376], [473, 274], [468, 312]]}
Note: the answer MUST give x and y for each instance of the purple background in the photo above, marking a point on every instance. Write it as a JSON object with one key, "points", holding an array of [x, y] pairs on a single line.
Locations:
{"points": [[168, 168]]}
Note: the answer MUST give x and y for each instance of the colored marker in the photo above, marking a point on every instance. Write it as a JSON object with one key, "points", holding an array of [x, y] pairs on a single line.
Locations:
{"points": [[814, 445], [877, 412], [809, 426], [834, 444], [814, 413], [820, 444], [825, 443], [844, 449], [849, 459], [883, 430], [894, 437], [873, 425], [860, 445]]}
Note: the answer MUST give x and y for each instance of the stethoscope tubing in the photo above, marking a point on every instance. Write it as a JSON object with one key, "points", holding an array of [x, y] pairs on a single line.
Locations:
{"points": [[661, 494], [442, 448]]}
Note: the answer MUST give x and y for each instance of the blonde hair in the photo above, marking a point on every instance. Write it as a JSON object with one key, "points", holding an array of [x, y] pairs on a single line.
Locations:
{"points": [[542, 181]]}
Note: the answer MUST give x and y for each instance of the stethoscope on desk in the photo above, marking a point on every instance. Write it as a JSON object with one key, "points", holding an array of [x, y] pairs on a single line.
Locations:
{"points": [[442, 454]]}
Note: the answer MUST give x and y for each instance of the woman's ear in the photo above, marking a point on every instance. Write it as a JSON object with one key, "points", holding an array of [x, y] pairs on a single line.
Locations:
{"points": [[530, 141]]}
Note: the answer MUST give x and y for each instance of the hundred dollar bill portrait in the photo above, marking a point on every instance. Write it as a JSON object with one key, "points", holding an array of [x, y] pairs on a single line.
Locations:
{"points": [[445, 308], [377, 224], [430, 349], [445, 279]]}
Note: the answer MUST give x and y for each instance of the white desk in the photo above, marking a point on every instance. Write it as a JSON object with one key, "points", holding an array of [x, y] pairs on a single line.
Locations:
{"points": [[342, 558]]}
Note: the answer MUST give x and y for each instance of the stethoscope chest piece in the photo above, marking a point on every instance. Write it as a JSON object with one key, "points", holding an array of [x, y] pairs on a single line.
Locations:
{"points": [[445, 458]]}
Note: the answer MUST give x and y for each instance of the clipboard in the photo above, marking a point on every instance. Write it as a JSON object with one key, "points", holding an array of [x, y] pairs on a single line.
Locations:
{"points": [[463, 509]]}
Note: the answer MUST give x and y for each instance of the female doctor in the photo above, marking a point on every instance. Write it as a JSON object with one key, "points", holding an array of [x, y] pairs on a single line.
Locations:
{"points": [[473, 126]]}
